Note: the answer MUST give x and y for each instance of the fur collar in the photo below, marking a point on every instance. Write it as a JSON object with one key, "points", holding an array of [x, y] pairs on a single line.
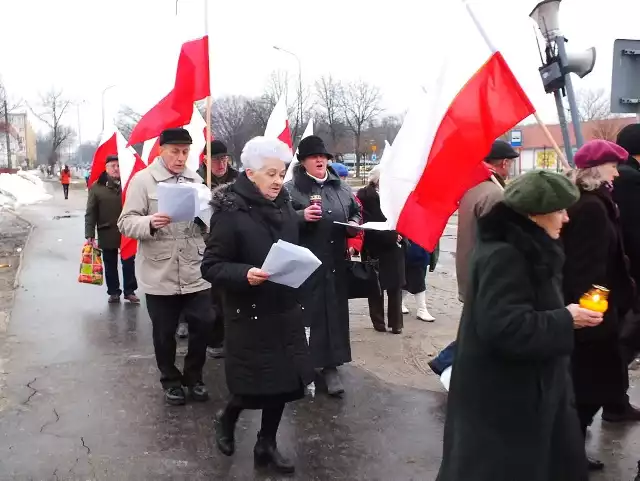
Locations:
{"points": [[541, 251]]}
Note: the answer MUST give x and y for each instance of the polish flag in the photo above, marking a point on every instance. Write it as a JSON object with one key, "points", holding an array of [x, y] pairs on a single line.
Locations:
{"points": [[176, 108], [437, 155], [108, 146], [150, 150], [130, 164], [278, 123], [197, 129], [294, 161]]}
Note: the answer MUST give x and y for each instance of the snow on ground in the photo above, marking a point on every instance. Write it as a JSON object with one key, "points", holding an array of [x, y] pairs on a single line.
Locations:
{"points": [[22, 188]]}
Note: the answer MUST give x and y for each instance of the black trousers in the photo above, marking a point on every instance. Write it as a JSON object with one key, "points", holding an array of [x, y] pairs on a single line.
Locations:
{"points": [[110, 258], [394, 314], [217, 333], [165, 313], [271, 417], [65, 190]]}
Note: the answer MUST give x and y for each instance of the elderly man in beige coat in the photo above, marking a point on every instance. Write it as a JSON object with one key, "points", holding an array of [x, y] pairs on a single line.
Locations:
{"points": [[475, 203], [168, 268]]}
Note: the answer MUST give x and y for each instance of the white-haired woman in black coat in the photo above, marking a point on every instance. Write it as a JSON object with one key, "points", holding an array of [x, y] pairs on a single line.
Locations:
{"points": [[267, 357]]}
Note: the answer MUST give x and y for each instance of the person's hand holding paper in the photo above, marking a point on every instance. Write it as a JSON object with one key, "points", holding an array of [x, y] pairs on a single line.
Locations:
{"points": [[289, 264]]}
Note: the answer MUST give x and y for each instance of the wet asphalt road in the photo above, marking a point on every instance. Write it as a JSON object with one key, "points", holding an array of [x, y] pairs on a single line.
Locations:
{"points": [[83, 399]]}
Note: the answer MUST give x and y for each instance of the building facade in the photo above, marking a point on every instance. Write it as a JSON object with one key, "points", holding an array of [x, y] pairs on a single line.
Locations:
{"points": [[22, 142]]}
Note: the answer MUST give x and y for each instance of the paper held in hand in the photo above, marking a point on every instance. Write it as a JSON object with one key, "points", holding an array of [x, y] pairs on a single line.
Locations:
{"points": [[367, 225], [289, 264], [178, 201]]}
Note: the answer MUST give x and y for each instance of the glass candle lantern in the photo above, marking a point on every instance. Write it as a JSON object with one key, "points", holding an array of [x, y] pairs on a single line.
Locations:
{"points": [[596, 299]]}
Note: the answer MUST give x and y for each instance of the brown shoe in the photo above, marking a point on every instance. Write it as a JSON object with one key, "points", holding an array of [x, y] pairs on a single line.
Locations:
{"points": [[133, 299], [114, 299]]}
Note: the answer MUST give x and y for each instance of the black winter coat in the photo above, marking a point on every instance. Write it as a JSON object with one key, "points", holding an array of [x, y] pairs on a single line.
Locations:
{"points": [[626, 194], [510, 415], [104, 206], [382, 246], [325, 293], [265, 342], [595, 255]]}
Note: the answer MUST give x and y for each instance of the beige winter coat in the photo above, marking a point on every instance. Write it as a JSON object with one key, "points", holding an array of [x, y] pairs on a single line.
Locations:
{"points": [[477, 202], [168, 260]]}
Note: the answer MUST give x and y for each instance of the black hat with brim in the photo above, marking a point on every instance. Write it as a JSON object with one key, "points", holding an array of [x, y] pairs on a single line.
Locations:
{"points": [[501, 150], [111, 158], [310, 146], [177, 136]]}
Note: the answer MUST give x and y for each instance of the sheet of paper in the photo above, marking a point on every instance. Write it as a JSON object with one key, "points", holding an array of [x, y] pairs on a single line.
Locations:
{"points": [[367, 225], [178, 201], [204, 197], [289, 264]]}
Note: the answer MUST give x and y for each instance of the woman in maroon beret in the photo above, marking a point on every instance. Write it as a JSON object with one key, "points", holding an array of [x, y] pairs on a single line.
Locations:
{"points": [[595, 256]]}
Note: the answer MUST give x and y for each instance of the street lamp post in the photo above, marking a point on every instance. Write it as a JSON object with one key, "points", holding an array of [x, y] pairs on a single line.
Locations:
{"points": [[78, 104], [103, 92], [299, 82]]}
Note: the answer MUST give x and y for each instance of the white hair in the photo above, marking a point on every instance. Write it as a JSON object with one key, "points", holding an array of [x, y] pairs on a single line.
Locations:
{"points": [[259, 149], [589, 179]]}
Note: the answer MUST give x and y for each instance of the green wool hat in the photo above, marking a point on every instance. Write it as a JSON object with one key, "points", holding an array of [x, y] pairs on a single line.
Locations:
{"points": [[540, 192]]}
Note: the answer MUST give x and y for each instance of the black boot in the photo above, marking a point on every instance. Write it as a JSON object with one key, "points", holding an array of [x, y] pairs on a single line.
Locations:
{"points": [[266, 454], [225, 434]]}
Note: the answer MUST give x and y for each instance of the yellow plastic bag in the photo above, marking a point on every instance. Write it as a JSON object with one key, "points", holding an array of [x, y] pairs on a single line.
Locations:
{"points": [[91, 268]]}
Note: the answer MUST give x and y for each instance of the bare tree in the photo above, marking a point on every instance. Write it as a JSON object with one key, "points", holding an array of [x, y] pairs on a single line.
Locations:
{"points": [[233, 123], [53, 106], [126, 120], [359, 105], [329, 93], [594, 109]]}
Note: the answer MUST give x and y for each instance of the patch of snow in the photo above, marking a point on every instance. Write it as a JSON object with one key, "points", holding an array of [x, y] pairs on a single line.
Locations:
{"points": [[22, 188]]}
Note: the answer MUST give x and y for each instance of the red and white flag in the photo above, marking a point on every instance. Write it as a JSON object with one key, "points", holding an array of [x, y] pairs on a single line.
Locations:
{"points": [[176, 108], [150, 150], [278, 123], [294, 161], [108, 146], [197, 129], [437, 155], [130, 164]]}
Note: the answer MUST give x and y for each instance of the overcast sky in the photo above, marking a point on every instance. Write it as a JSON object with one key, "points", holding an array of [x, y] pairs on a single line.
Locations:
{"points": [[84, 46]]}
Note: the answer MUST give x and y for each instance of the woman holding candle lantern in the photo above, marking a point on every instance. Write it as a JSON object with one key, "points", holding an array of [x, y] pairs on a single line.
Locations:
{"points": [[320, 199], [596, 267], [510, 414]]}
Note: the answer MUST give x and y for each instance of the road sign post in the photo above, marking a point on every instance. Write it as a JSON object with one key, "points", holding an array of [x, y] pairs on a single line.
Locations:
{"points": [[625, 88]]}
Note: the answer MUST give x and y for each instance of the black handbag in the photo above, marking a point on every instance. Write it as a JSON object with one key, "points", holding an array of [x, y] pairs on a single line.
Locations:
{"points": [[363, 280]]}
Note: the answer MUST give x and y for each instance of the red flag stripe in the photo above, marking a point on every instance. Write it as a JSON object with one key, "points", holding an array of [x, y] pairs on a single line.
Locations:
{"points": [[104, 150], [489, 104]]}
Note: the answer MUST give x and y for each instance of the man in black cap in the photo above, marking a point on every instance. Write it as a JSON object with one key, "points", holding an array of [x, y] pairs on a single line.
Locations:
{"points": [[221, 173], [221, 170], [104, 206], [168, 262], [475, 203], [626, 194]]}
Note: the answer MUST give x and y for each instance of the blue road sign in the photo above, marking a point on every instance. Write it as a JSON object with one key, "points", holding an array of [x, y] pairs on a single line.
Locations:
{"points": [[374, 157], [516, 138]]}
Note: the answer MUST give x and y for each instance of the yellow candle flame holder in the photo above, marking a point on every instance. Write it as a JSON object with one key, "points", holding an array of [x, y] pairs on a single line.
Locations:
{"points": [[596, 299]]}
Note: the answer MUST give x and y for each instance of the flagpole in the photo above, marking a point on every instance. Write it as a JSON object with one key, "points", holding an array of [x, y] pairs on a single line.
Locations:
{"points": [[208, 108]]}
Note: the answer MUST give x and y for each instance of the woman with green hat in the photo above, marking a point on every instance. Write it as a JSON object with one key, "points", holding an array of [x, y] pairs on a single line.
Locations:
{"points": [[509, 413]]}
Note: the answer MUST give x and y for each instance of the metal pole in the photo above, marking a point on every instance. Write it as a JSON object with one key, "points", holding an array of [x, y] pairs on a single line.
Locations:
{"points": [[566, 138], [299, 82], [79, 134], [6, 133], [208, 103], [573, 106], [103, 92]]}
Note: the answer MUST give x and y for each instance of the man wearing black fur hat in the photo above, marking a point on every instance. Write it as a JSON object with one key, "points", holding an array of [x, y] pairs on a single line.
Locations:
{"points": [[221, 170], [221, 173], [168, 263], [104, 206]]}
